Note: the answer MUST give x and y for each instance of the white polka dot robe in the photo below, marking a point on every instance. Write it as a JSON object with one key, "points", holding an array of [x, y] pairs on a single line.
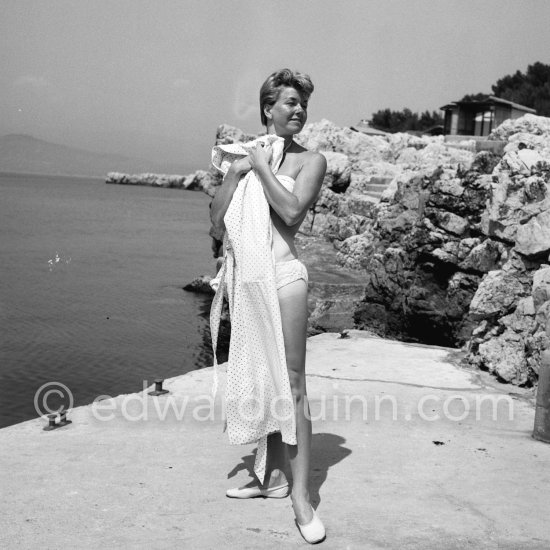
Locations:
{"points": [[258, 395]]}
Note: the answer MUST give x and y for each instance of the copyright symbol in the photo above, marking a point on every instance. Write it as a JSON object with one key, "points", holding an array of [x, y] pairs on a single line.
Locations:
{"points": [[51, 395]]}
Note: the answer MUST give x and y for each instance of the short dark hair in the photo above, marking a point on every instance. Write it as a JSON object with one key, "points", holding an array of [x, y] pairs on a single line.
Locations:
{"points": [[285, 78]]}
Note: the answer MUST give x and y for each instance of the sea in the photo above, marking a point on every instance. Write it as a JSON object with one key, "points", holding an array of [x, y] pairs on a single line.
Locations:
{"points": [[91, 298]]}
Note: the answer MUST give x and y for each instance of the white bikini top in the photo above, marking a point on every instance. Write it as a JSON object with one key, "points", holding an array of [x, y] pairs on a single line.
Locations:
{"points": [[287, 182]]}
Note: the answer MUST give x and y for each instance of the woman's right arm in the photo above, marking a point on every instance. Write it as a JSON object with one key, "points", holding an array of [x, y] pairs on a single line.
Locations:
{"points": [[225, 191]]}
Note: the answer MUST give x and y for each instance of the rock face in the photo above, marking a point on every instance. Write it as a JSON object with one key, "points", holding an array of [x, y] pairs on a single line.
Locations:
{"points": [[450, 245], [453, 252], [154, 180], [200, 285]]}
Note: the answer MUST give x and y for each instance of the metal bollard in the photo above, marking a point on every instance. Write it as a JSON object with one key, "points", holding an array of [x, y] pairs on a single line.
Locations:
{"points": [[63, 418], [158, 388], [541, 431], [51, 423]]}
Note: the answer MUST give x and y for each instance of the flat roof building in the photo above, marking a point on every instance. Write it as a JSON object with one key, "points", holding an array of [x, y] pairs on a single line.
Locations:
{"points": [[480, 117]]}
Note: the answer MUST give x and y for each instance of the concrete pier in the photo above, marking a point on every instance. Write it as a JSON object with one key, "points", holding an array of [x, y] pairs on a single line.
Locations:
{"points": [[410, 451]]}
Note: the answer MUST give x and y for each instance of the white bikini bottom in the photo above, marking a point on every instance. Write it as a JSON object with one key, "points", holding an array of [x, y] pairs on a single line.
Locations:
{"points": [[285, 273], [289, 271]]}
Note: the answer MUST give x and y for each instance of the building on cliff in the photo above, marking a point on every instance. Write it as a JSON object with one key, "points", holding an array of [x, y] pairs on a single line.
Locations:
{"points": [[479, 118]]}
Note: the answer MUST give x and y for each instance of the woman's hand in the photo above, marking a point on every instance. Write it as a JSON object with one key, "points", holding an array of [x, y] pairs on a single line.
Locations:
{"points": [[241, 167], [260, 157]]}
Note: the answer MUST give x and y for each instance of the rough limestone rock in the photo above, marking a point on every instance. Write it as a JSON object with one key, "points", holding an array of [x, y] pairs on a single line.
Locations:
{"points": [[450, 243], [155, 180], [482, 257], [505, 356], [338, 173], [355, 251], [497, 293], [450, 222], [533, 237], [203, 180], [521, 332], [433, 154], [427, 222], [514, 199], [200, 285], [441, 232], [326, 136], [541, 287], [527, 124], [512, 349]]}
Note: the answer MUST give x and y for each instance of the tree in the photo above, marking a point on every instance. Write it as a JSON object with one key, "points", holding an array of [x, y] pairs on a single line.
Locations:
{"points": [[531, 89], [475, 97], [405, 120]]}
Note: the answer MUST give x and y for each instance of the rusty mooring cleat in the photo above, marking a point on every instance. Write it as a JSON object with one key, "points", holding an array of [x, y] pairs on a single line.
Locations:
{"points": [[158, 388], [63, 418], [51, 423], [541, 431]]}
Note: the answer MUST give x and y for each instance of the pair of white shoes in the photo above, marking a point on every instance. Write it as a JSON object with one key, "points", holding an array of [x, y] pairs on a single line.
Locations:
{"points": [[313, 531]]}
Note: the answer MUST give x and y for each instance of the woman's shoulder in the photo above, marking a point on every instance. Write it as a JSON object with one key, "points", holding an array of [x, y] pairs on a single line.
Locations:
{"points": [[314, 163], [310, 163], [308, 157]]}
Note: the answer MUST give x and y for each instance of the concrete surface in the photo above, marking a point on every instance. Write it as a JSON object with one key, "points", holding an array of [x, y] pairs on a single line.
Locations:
{"points": [[419, 471]]}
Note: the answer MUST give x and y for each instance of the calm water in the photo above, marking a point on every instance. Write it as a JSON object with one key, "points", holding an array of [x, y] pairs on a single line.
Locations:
{"points": [[90, 293]]}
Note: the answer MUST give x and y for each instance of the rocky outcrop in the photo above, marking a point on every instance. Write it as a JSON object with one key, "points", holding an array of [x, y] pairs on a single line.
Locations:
{"points": [[529, 128], [450, 245], [452, 257], [359, 168], [451, 251], [200, 285], [154, 180]]}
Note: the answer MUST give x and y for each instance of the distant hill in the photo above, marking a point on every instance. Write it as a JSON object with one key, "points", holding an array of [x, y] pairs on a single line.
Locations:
{"points": [[24, 153]]}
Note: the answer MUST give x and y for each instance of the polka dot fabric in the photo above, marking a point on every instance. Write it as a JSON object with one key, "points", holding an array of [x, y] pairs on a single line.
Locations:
{"points": [[258, 395]]}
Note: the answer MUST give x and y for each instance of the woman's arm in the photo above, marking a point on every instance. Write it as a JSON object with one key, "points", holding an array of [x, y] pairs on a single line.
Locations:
{"points": [[224, 193], [291, 206]]}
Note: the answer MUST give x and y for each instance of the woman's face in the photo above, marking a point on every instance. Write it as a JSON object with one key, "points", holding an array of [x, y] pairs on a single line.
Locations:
{"points": [[288, 113]]}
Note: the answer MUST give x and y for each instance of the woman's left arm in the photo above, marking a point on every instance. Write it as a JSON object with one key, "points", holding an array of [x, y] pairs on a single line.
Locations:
{"points": [[291, 206]]}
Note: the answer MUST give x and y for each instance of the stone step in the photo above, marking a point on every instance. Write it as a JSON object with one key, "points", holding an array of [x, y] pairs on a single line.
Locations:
{"points": [[374, 198], [366, 196], [375, 187], [375, 194], [381, 180]]}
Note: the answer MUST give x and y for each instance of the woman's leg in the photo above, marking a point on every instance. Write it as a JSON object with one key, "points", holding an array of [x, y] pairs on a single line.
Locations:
{"points": [[277, 461], [293, 305]]}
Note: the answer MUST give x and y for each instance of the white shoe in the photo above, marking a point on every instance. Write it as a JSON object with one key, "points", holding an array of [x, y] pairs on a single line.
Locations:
{"points": [[280, 491], [314, 531]]}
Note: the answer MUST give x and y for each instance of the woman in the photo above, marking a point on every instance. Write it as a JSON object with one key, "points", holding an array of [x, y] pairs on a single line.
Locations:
{"points": [[283, 103]]}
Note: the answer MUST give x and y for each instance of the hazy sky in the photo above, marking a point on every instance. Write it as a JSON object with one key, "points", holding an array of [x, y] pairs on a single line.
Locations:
{"points": [[154, 78]]}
